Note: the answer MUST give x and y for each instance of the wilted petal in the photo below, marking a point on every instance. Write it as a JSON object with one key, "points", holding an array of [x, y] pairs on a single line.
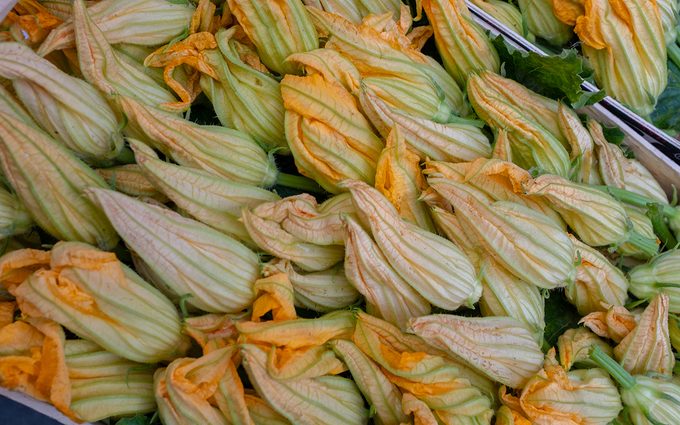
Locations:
{"points": [[273, 294], [647, 348], [615, 323], [574, 347]]}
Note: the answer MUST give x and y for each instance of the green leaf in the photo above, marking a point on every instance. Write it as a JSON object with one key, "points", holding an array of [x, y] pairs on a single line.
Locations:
{"points": [[557, 76], [560, 316], [666, 114], [135, 420]]}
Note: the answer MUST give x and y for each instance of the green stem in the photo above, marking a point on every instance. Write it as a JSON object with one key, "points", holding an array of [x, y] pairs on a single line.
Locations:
{"points": [[643, 243], [660, 227], [674, 53], [299, 182], [636, 200], [625, 379]]}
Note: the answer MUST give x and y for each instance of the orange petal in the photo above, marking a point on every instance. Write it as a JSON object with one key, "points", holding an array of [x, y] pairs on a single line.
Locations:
{"points": [[18, 265]]}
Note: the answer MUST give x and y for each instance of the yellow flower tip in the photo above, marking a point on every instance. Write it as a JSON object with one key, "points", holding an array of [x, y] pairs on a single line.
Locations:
{"points": [[17, 266], [568, 11], [274, 294], [31, 21]]}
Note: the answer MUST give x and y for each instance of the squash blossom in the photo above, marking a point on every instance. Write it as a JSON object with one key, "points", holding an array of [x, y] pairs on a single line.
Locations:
{"points": [[647, 399], [506, 13], [98, 298], [624, 41], [574, 346], [245, 95], [68, 108], [647, 348], [210, 198], [530, 120], [130, 179], [502, 348], [278, 28], [146, 23], [356, 10], [446, 280], [462, 44], [660, 275], [541, 17], [49, 181], [328, 135], [598, 282], [188, 256], [614, 323]]}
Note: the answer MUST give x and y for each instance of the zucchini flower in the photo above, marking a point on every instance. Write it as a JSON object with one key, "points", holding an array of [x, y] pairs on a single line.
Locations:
{"points": [[324, 399], [274, 294], [639, 180], [586, 396], [503, 294], [597, 281], [131, 179], [101, 65], [641, 225], [647, 399], [615, 323], [376, 387], [433, 266], [331, 65], [406, 79], [574, 347], [461, 140], [327, 134], [356, 10], [624, 42], [462, 44], [269, 236], [27, 20], [499, 180], [100, 299], [530, 120], [213, 331], [596, 217], [245, 98], [435, 382], [11, 106], [215, 149], [500, 347], [278, 29], [661, 275], [193, 390], [507, 416], [147, 23], [541, 20], [669, 11], [647, 348], [322, 291], [262, 413], [399, 178], [49, 181], [32, 361], [104, 384], [189, 257], [450, 226], [71, 110], [211, 199], [506, 13], [533, 247], [14, 219], [388, 295], [582, 147]]}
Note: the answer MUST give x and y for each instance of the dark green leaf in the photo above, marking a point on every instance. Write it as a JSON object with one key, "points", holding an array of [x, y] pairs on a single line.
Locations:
{"points": [[666, 114], [556, 76], [560, 315], [135, 420]]}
